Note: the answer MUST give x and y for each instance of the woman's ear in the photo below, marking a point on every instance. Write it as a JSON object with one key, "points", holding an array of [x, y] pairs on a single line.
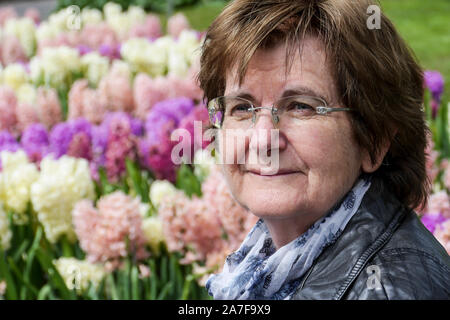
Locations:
{"points": [[366, 162]]}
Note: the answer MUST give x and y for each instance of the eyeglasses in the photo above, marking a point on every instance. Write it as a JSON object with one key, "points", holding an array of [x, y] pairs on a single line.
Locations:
{"points": [[240, 113]]}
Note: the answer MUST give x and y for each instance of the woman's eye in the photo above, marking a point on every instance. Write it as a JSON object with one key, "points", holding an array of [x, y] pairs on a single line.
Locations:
{"points": [[301, 106], [297, 106], [240, 108]]}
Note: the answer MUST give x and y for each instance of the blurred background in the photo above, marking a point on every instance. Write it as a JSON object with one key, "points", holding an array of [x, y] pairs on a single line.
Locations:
{"points": [[92, 205]]}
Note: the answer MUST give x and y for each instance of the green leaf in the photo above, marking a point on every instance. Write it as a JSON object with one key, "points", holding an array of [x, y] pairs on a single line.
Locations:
{"points": [[187, 181], [11, 291], [18, 274], [54, 275], [44, 292], [134, 283], [23, 247], [112, 287], [165, 290]]}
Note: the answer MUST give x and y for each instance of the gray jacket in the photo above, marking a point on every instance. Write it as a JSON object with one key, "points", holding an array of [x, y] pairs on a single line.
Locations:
{"points": [[385, 252]]}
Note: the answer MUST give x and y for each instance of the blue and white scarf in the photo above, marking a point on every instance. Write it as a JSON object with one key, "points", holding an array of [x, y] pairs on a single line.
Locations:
{"points": [[258, 271]]}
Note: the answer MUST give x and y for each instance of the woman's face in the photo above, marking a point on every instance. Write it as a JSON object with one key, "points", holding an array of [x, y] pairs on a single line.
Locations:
{"points": [[319, 154]]}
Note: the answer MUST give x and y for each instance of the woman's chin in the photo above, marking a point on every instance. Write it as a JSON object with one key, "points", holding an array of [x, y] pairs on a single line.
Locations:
{"points": [[271, 209]]}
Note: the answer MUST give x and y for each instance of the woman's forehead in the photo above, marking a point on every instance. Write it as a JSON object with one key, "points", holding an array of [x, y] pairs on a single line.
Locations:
{"points": [[268, 72]]}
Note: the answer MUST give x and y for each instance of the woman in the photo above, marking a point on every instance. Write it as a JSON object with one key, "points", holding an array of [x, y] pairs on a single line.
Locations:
{"points": [[336, 218]]}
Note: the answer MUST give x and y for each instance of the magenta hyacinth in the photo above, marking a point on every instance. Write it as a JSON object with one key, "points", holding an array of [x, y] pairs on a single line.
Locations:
{"points": [[121, 145], [432, 220]]}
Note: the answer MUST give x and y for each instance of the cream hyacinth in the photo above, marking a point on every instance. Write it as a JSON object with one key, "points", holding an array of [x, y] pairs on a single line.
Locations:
{"points": [[25, 30], [15, 75], [153, 232], [160, 189], [61, 184], [55, 66], [5, 232], [94, 67], [77, 274], [16, 178]]}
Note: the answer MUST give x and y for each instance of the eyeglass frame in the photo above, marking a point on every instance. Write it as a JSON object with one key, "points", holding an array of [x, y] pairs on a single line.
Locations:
{"points": [[320, 110]]}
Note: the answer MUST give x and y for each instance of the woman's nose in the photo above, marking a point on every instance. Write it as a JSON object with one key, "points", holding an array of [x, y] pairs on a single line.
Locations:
{"points": [[265, 136]]}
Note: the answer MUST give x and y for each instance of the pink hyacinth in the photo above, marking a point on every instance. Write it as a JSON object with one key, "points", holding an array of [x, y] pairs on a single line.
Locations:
{"points": [[447, 177], [442, 233], [8, 105], [185, 86], [48, 106], [96, 35], [12, 51], [151, 28], [70, 39], [147, 92], [176, 24], [236, 221], [26, 115], [431, 157], [116, 92], [6, 14], [199, 223], [75, 98], [121, 145], [104, 231], [190, 223], [439, 202], [86, 102], [94, 108]]}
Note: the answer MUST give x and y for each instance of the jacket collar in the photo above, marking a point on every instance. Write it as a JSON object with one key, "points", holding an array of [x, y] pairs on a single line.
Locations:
{"points": [[369, 229]]}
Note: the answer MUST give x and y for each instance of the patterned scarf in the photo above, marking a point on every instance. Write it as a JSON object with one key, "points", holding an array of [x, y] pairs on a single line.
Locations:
{"points": [[258, 271]]}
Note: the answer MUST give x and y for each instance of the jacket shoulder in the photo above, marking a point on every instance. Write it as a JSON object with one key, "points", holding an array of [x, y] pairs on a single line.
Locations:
{"points": [[412, 265]]}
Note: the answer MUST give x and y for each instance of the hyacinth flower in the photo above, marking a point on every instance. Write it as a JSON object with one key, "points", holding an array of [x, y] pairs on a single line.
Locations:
{"points": [[35, 142], [62, 183], [121, 143], [72, 138], [7, 143], [16, 179], [435, 83], [111, 231], [155, 148]]}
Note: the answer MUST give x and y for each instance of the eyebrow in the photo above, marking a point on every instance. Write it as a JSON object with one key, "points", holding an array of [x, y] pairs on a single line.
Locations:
{"points": [[298, 90]]}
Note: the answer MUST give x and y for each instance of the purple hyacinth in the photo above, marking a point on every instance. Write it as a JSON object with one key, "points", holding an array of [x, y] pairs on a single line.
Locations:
{"points": [[83, 49], [63, 133], [435, 83], [8, 142], [432, 220], [35, 142], [172, 110]]}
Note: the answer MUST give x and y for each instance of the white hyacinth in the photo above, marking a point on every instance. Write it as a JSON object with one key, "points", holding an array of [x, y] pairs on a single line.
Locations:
{"points": [[16, 178], [159, 189], [25, 30], [77, 274], [15, 75], [55, 66], [61, 184], [94, 67], [153, 232], [5, 231]]}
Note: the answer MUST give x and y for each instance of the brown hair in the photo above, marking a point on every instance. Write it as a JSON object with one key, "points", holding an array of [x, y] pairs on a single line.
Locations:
{"points": [[374, 70]]}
